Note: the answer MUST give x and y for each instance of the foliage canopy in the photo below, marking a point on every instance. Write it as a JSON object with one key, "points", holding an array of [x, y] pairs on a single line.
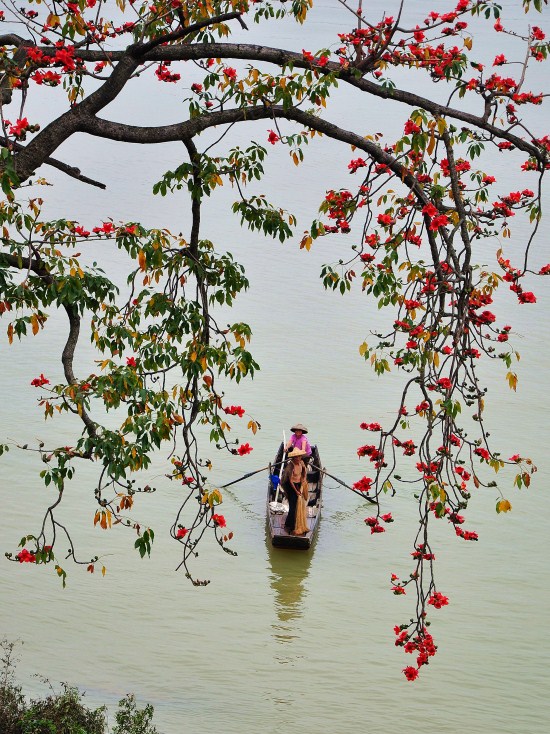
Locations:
{"points": [[417, 213]]}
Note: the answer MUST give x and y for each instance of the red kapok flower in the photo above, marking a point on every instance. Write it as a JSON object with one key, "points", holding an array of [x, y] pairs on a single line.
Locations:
{"points": [[437, 600], [429, 210], [234, 410], [219, 520], [363, 485], [355, 164], [411, 673], [182, 532], [482, 453], [370, 426], [386, 220], [244, 448], [26, 556], [40, 381], [411, 128]]}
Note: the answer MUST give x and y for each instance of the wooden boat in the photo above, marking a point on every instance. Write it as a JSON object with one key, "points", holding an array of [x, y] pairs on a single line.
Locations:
{"points": [[277, 510]]}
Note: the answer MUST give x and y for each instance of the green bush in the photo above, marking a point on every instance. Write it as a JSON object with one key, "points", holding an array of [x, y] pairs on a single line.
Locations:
{"points": [[132, 720], [62, 712], [12, 701]]}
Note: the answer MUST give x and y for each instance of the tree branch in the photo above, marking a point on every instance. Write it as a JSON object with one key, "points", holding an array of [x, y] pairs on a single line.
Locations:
{"points": [[58, 131], [190, 128], [55, 133], [38, 267], [140, 49], [71, 171]]}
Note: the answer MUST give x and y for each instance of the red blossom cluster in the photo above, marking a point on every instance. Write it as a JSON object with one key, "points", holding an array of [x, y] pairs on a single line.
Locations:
{"points": [[164, 74], [20, 128], [437, 600], [420, 552], [49, 78], [478, 300], [321, 60], [455, 518], [512, 275], [411, 673], [408, 446], [63, 56], [386, 220], [363, 485], [438, 60], [338, 204], [374, 523], [230, 73], [40, 381], [219, 520], [355, 164], [374, 454], [422, 644], [80, 231], [234, 410], [429, 470], [411, 128], [26, 556], [482, 453], [370, 426], [107, 228], [466, 534], [462, 473]]}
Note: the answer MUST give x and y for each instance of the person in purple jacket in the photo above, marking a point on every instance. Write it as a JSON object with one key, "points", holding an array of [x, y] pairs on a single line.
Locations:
{"points": [[298, 440]]}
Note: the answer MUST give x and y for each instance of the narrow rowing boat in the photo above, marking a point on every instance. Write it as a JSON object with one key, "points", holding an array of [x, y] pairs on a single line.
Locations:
{"points": [[277, 510]]}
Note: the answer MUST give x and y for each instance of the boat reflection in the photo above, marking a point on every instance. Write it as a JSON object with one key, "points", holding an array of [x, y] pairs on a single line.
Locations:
{"points": [[289, 571]]}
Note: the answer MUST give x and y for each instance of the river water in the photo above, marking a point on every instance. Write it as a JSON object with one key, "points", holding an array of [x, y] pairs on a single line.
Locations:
{"points": [[279, 639]]}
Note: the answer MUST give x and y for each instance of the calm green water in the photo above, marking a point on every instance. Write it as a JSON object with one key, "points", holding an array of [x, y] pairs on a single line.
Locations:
{"points": [[284, 640]]}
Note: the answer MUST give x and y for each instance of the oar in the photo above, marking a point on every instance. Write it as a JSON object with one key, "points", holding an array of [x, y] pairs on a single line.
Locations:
{"points": [[361, 494], [250, 474], [277, 484]]}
